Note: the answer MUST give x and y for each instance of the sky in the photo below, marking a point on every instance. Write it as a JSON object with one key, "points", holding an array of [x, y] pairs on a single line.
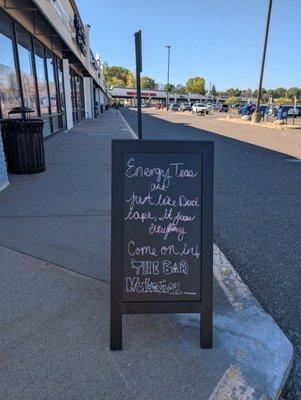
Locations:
{"points": [[220, 40]]}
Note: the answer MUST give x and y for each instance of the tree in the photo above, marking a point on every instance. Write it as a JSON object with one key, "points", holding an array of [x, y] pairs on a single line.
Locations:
{"points": [[231, 100], [180, 88], [293, 91], [169, 88], [246, 93], [270, 93], [279, 92], [283, 100], [233, 92], [148, 83], [255, 93], [213, 90], [196, 85], [118, 76], [131, 80]]}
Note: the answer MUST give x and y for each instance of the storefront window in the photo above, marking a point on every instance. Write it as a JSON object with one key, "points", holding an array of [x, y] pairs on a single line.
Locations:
{"points": [[78, 96], [41, 78], [51, 82], [9, 87], [26, 68], [61, 93], [77, 93]]}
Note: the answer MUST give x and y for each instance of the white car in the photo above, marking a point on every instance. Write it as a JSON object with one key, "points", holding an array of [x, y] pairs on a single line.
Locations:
{"points": [[200, 108]]}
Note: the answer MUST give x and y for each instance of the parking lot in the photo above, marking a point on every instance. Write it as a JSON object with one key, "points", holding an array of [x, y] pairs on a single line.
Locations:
{"points": [[286, 141], [256, 206]]}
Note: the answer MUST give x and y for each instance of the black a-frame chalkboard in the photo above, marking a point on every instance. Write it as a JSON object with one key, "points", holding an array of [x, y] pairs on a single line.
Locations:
{"points": [[161, 242]]}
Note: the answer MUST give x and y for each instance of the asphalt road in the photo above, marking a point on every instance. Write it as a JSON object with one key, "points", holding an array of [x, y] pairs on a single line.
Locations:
{"points": [[257, 213]]}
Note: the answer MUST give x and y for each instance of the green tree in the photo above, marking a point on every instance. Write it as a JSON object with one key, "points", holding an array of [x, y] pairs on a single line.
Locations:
{"points": [[231, 100], [118, 76], [271, 93], [213, 90], [169, 88], [255, 93], [148, 83], [293, 91], [131, 80], [279, 92], [196, 85], [233, 92]]}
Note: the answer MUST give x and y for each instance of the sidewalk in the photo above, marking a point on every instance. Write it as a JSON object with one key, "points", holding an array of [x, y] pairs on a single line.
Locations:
{"points": [[54, 296]]}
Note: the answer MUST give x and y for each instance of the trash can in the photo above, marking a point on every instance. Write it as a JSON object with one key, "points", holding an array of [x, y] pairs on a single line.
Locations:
{"points": [[23, 142]]}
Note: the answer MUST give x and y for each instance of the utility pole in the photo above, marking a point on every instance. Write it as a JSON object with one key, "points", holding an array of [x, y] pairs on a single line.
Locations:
{"points": [[256, 115], [168, 65], [210, 83]]}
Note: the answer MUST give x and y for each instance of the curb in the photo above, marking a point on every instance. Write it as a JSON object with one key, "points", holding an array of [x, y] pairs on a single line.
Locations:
{"points": [[134, 136]]}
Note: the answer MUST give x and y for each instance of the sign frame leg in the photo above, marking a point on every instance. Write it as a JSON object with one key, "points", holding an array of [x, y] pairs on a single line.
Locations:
{"points": [[206, 330], [115, 329]]}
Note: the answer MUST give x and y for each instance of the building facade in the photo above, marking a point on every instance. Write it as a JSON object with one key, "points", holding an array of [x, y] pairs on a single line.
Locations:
{"points": [[47, 65], [128, 96]]}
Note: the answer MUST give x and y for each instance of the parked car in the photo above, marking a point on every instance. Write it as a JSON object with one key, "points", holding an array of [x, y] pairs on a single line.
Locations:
{"points": [[174, 107], [272, 110], [210, 106], [293, 112], [224, 108], [264, 109], [200, 108], [185, 107]]}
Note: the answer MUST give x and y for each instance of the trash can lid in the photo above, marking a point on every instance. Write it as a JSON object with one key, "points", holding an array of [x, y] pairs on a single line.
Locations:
{"points": [[20, 110]]}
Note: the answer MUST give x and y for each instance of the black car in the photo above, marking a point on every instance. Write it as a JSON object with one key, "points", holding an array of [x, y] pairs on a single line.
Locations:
{"points": [[224, 108]]}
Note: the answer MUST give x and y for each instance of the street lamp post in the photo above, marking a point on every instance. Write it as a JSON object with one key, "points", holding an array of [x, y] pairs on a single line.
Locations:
{"points": [[168, 64], [257, 116]]}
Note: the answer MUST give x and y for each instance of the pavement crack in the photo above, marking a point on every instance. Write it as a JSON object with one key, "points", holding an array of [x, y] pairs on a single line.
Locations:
{"points": [[118, 370]]}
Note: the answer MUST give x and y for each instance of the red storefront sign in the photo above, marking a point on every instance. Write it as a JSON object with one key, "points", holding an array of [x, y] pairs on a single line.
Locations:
{"points": [[143, 94]]}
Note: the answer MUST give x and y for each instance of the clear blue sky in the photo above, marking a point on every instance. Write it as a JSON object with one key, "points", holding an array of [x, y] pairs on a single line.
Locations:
{"points": [[220, 40]]}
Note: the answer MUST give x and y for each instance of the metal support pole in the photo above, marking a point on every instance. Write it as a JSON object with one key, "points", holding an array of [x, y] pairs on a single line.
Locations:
{"points": [[168, 65], [257, 115], [138, 89], [138, 48]]}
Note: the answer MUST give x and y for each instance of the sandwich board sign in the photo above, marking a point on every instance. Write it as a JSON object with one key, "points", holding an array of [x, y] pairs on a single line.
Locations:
{"points": [[161, 240]]}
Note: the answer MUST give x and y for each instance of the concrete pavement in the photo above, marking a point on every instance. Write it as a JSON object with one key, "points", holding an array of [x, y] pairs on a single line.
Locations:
{"points": [[54, 257]]}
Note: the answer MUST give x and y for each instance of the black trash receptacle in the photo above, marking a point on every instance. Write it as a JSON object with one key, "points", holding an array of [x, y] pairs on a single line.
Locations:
{"points": [[23, 143]]}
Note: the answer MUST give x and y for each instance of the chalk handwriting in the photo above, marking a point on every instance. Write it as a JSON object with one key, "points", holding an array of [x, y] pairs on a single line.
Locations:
{"points": [[167, 230], [138, 285]]}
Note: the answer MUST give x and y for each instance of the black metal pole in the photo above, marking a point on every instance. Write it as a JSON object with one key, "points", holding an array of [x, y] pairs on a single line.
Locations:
{"points": [[138, 89], [168, 65], [267, 26], [138, 86]]}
